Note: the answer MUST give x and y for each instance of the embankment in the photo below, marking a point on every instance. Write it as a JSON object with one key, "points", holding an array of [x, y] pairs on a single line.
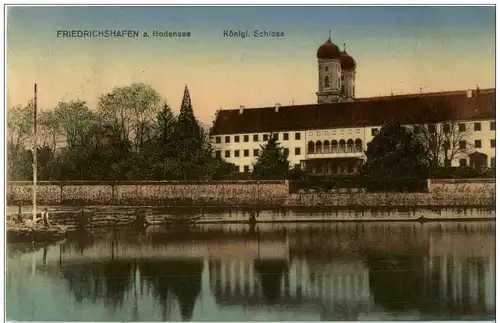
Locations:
{"points": [[150, 193], [261, 194]]}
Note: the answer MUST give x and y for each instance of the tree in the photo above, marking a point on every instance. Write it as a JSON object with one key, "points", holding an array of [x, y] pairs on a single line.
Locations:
{"points": [[272, 162], [397, 159], [445, 141], [165, 126], [50, 129], [75, 120], [131, 109], [19, 128], [189, 139]]}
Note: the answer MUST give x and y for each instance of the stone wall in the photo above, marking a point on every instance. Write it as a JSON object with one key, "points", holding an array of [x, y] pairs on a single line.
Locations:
{"points": [[466, 186], [356, 200], [150, 193]]}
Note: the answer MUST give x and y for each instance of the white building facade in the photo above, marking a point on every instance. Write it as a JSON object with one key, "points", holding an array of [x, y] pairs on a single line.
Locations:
{"points": [[330, 137]]}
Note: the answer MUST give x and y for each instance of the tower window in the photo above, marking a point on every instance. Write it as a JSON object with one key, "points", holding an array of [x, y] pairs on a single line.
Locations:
{"points": [[326, 68], [327, 81]]}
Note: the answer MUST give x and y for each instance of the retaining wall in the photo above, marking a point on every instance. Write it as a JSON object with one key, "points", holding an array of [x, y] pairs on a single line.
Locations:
{"points": [[465, 186], [149, 193], [449, 192]]}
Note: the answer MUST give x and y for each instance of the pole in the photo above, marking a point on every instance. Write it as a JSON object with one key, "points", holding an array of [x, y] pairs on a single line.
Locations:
{"points": [[35, 153]]}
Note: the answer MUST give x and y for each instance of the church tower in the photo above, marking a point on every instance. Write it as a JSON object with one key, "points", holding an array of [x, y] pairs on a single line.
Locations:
{"points": [[348, 78], [329, 73]]}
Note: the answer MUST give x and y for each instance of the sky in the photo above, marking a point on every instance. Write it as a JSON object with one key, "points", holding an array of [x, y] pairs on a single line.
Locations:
{"points": [[397, 49]]}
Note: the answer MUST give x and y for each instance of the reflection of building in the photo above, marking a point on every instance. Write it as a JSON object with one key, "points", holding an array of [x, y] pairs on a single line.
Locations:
{"points": [[330, 137], [339, 290], [462, 271]]}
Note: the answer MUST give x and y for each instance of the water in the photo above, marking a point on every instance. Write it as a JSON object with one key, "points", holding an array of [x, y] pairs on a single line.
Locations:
{"points": [[275, 272]]}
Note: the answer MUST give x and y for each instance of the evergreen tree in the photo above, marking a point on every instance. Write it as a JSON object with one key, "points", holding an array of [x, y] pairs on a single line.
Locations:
{"points": [[188, 129], [396, 159], [272, 162], [166, 122]]}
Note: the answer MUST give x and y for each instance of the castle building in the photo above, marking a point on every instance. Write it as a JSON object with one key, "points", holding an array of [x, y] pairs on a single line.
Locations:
{"points": [[330, 137]]}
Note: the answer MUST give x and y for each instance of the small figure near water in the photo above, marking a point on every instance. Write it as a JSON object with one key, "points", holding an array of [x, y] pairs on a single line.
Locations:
{"points": [[45, 217], [252, 221]]}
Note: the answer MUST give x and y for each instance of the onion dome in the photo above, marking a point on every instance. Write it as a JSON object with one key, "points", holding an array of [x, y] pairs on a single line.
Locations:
{"points": [[346, 61], [328, 50]]}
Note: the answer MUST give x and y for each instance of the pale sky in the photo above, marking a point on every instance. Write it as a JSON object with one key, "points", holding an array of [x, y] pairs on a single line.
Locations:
{"points": [[396, 48]]}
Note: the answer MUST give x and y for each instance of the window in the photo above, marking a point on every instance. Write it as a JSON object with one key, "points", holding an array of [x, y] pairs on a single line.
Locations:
{"points": [[285, 136], [493, 125], [236, 138], [297, 136], [218, 154], [326, 68], [297, 151], [236, 153], [353, 91], [228, 139], [255, 137], [310, 133], [318, 133], [462, 144], [431, 128], [265, 137], [217, 140], [327, 81], [246, 152], [341, 131], [237, 169], [256, 152], [477, 143], [358, 131], [461, 127], [477, 126], [446, 145], [333, 132], [492, 143], [349, 131], [446, 128], [326, 133], [275, 136], [286, 151], [374, 132], [245, 138], [246, 169], [463, 162], [227, 153]]}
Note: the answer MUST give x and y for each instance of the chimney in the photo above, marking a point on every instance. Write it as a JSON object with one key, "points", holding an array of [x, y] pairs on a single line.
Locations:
{"points": [[469, 94], [242, 107], [477, 90], [277, 107]]}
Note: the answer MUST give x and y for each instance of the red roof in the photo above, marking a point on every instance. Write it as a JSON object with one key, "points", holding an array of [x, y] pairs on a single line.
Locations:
{"points": [[407, 109]]}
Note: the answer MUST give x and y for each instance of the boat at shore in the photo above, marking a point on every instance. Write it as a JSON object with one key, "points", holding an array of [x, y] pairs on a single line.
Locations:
{"points": [[174, 220], [38, 233]]}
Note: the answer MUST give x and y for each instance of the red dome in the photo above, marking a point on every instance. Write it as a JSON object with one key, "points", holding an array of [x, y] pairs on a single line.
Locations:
{"points": [[346, 61], [328, 50]]}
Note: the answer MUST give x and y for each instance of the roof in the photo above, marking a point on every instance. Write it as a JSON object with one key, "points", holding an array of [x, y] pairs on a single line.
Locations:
{"points": [[407, 109]]}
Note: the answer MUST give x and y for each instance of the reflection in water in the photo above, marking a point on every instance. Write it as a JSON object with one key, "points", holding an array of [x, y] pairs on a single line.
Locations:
{"points": [[272, 272], [178, 278]]}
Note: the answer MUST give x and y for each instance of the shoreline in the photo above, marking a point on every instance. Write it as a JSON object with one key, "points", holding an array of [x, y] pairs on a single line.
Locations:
{"points": [[235, 214]]}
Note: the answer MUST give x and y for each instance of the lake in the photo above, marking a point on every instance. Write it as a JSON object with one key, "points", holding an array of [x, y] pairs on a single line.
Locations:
{"points": [[271, 272]]}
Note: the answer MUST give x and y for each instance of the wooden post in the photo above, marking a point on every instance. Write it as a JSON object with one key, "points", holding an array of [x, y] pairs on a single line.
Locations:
{"points": [[35, 153]]}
